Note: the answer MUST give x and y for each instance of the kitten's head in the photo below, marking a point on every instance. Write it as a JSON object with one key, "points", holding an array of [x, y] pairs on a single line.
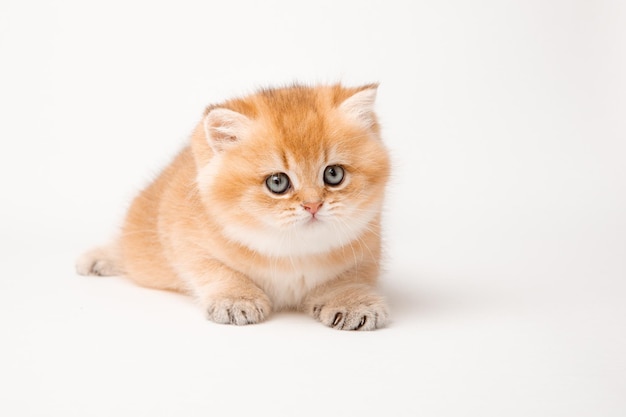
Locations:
{"points": [[293, 171]]}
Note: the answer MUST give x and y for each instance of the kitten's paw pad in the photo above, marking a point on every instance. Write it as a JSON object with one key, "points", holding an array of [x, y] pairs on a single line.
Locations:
{"points": [[98, 262], [366, 313], [239, 311]]}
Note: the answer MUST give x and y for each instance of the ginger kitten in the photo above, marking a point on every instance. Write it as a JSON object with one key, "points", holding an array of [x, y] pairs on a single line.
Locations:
{"points": [[274, 204]]}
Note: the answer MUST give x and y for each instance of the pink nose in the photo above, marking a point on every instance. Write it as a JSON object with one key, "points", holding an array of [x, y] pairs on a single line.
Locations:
{"points": [[312, 207]]}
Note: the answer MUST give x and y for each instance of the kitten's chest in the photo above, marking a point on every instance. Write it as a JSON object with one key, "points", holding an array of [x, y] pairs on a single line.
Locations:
{"points": [[287, 281]]}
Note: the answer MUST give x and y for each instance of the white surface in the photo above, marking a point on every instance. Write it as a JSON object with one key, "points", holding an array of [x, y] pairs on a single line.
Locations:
{"points": [[506, 220]]}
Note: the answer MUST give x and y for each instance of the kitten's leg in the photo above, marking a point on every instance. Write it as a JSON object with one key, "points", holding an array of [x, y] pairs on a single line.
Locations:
{"points": [[227, 296], [103, 260], [347, 304]]}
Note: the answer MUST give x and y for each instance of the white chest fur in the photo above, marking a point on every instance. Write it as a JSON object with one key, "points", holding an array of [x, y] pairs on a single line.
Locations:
{"points": [[288, 282]]}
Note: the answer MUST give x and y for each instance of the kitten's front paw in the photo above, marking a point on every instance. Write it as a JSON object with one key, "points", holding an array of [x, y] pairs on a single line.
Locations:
{"points": [[239, 310], [352, 309]]}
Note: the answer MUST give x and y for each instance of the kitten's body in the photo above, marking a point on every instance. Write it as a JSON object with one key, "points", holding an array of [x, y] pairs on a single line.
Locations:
{"points": [[211, 226]]}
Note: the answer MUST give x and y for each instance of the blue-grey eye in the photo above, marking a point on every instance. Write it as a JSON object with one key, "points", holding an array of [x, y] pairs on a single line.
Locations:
{"points": [[333, 175], [278, 183]]}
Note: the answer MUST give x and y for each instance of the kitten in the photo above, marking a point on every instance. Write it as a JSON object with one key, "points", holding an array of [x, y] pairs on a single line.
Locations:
{"points": [[274, 204]]}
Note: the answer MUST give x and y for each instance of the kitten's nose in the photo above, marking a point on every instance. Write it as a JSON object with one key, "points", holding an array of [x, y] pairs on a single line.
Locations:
{"points": [[312, 207]]}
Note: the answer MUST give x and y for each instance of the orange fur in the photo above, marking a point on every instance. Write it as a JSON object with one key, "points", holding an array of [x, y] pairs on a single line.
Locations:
{"points": [[210, 227]]}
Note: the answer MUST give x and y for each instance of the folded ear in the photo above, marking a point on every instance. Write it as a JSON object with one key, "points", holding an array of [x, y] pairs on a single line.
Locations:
{"points": [[359, 107], [224, 127]]}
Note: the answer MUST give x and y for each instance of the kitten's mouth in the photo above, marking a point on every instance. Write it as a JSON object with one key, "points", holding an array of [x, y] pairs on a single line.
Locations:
{"points": [[312, 220]]}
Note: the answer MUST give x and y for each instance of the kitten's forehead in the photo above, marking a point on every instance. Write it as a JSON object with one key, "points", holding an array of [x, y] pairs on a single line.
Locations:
{"points": [[298, 135], [299, 130], [301, 167]]}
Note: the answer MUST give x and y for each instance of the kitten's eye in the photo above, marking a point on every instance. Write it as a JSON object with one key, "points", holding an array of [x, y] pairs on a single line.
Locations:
{"points": [[277, 183], [333, 175]]}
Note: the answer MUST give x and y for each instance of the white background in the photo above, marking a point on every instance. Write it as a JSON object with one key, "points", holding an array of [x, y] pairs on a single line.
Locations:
{"points": [[505, 222]]}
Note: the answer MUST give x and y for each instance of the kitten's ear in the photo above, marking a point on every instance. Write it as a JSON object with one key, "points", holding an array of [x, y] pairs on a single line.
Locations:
{"points": [[224, 127], [360, 106]]}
